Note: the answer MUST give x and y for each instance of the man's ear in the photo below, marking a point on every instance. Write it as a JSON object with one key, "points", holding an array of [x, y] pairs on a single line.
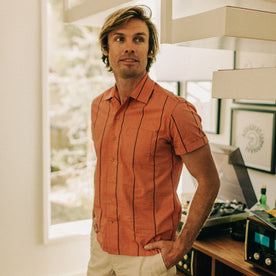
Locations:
{"points": [[105, 52], [150, 54]]}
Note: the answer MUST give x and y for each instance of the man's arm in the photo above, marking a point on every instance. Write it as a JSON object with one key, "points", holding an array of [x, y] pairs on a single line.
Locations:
{"points": [[201, 166]]}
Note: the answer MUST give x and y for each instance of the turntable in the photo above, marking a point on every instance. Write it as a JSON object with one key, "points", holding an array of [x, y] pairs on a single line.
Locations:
{"points": [[236, 195]]}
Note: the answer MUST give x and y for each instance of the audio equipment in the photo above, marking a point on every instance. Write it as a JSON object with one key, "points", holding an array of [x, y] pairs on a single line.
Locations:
{"points": [[186, 264], [260, 241]]}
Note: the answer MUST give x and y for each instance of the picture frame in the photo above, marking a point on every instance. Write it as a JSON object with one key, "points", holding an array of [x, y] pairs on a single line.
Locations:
{"points": [[173, 86], [255, 102], [253, 131], [199, 93]]}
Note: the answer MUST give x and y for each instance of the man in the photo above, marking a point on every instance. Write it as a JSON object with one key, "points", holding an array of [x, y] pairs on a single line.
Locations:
{"points": [[142, 136]]}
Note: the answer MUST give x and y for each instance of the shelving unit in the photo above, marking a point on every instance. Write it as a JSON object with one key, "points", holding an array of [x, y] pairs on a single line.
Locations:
{"points": [[228, 27], [93, 12], [221, 255], [245, 83]]}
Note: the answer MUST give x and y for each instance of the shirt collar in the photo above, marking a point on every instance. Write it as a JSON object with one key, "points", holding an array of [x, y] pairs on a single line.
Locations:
{"points": [[110, 93], [141, 93]]}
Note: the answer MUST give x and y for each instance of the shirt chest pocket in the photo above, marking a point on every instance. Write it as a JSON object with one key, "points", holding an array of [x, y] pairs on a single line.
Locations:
{"points": [[139, 145]]}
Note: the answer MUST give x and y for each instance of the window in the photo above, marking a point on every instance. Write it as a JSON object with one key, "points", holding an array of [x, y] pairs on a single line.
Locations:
{"points": [[73, 77]]}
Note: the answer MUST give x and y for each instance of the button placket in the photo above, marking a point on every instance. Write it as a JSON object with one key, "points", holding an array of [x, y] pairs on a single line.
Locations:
{"points": [[111, 200]]}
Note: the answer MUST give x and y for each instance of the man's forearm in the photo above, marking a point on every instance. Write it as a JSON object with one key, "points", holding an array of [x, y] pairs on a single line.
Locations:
{"points": [[200, 207], [199, 210], [201, 166]]}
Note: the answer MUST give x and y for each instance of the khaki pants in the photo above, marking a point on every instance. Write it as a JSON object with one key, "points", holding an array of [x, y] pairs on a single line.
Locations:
{"points": [[104, 264]]}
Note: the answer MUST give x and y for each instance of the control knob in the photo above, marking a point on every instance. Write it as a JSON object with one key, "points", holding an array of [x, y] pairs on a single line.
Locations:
{"points": [[256, 256], [268, 261]]}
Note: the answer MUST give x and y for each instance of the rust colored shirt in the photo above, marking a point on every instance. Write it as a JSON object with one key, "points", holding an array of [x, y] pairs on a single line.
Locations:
{"points": [[138, 146]]}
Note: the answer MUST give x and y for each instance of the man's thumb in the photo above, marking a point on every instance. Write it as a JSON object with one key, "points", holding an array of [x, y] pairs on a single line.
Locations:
{"points": [[151, 246]]}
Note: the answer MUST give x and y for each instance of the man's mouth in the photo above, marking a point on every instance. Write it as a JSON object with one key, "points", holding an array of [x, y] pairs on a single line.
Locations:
{"points": [[129, 60]]}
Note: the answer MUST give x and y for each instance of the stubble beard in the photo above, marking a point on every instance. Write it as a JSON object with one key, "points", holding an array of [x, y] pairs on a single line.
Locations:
{"points": [[128, 72]]}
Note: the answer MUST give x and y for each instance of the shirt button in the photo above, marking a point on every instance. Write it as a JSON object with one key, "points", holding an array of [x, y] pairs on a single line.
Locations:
{"points": [[114, 137], [110, 201], [112, 159], [110, 180], [110, 221], [117, 117]]}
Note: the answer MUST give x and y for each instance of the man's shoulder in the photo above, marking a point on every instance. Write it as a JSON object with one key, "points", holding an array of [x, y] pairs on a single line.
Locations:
{"points": [[175, 104], [171, 97], [101, 96]]}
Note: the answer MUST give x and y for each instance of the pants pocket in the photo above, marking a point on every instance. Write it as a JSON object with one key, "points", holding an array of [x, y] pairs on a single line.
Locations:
{"points": [[92, 238], [164, 270], [161, 261]]}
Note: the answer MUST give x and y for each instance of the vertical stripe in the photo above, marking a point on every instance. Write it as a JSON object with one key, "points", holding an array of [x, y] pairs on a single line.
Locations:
{"points": [[172, 182], [100, 164], [96, 117], [179, 134], [117, 168], [154, 165], [142, 87], [133, 193], [189, 108], [196, 123]]}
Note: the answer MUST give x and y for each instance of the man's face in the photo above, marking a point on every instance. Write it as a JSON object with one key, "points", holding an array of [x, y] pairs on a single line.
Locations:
{"points": [[128, 49]]}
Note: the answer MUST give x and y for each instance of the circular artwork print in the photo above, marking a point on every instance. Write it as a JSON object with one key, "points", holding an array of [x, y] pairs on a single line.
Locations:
{"points": [[254, 138]]}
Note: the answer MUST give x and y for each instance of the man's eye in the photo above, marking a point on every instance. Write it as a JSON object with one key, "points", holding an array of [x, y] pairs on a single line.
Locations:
{"points": [[118, 39], [139, 39]]}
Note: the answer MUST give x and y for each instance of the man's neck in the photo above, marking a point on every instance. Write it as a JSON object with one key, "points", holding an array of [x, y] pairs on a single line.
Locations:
{"points": [[126, 86]]}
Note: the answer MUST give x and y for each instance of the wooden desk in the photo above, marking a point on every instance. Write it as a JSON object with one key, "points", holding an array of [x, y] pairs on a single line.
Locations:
{"points": [[221, 255]]}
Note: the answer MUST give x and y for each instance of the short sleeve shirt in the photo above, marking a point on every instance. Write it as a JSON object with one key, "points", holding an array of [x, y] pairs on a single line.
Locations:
{"points": [[138, 146]]}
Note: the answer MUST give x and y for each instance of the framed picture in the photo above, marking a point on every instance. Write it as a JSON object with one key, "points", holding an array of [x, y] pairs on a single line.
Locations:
{"points": [[253, 131], [173, 86], [199, 93], [255, 102]]}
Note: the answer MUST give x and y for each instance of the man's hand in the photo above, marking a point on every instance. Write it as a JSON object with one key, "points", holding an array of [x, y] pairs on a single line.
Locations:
{"points": [[171, 251], [95, 225]]}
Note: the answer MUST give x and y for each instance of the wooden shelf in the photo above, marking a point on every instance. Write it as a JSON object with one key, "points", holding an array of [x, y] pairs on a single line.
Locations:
{"points": [[92, 12], [253, 83], [223, 256], [229, 27]]}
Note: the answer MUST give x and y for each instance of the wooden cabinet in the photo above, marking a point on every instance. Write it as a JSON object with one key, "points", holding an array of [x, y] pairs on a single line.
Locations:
{"points": [[221, 255]]}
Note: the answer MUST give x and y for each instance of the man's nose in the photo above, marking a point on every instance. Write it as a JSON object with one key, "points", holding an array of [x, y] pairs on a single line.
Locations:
{"points": [[129, 47]]}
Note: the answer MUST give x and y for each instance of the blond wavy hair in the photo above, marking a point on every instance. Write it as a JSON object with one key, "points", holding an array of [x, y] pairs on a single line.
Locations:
{"points": [[122, 16]]}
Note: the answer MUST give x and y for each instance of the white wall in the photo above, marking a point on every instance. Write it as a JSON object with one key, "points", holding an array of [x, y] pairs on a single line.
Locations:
{"points": [[22, 251]]}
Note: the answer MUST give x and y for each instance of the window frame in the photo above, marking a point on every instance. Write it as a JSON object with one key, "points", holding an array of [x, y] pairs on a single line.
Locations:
{"points": [[68, 230]]}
